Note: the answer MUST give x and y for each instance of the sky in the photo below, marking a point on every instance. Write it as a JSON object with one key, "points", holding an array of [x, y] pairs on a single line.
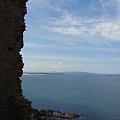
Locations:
{"points": [[72, 35]]}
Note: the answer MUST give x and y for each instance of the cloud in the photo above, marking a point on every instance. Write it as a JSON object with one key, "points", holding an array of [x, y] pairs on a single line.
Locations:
{"points": [[77, 26], [92, 65], [38, 66], [68, 30], [68, 47], [109, 30], [63, 27], [97, 30], [72, 25], [60, 59], [43, 66]]}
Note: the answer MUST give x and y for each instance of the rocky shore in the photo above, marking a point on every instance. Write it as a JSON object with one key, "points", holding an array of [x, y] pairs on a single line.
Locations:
{"points": [[52, 115]]}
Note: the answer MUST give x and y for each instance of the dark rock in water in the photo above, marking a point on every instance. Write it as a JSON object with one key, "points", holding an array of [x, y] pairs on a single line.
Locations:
{"points": [[71, 115], [52, 114]]}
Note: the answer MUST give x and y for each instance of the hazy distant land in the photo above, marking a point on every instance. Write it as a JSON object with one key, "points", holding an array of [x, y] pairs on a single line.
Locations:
{"points": [[44, 73]]}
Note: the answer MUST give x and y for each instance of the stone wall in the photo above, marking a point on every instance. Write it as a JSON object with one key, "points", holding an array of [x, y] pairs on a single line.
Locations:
{"points": [[13, 106]]}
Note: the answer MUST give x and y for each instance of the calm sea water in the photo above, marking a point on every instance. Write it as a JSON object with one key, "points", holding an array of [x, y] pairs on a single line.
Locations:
{"points": [[96, 96]]}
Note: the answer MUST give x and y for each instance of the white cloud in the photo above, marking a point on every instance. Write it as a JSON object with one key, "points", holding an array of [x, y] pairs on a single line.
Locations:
{"points": [[69, 46], [109, 30], [43, 66], [86, 28], [97, 30], [68, 30], [92, 65]]}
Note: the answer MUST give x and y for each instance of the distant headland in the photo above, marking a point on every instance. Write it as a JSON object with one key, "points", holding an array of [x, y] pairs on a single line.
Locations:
{"points": [[81, 73]]}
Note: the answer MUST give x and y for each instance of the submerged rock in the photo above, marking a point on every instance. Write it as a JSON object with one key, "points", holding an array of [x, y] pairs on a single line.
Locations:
{"points": [[71, 115], [52, 114]]}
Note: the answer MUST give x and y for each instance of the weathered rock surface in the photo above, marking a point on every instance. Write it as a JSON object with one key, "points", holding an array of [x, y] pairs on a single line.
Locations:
{"points": [[13, 106], [59, 114], [52, 114]]}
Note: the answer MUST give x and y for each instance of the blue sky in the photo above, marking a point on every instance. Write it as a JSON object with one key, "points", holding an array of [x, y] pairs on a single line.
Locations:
{"points": [[72, 35]]}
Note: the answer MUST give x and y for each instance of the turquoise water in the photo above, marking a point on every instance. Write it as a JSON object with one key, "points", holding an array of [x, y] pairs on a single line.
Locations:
{"points": [[96, 96]]}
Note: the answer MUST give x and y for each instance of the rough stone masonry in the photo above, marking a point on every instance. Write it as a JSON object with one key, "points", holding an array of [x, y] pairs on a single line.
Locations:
{"points": [[13, 106]]}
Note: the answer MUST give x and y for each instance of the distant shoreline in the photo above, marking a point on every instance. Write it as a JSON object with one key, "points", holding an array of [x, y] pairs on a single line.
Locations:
{"points": [[41, 73], [33, 73], [45, 73]]}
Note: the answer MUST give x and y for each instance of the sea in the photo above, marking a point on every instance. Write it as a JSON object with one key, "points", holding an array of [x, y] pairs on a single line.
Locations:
{"points": [[95, 96]]}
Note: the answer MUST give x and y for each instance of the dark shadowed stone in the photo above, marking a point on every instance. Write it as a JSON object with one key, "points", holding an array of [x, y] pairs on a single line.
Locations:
{"points": [[13, 106]]}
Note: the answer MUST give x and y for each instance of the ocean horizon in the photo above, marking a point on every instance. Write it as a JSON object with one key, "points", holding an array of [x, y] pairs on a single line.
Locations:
{"points": [[96, 96]]}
